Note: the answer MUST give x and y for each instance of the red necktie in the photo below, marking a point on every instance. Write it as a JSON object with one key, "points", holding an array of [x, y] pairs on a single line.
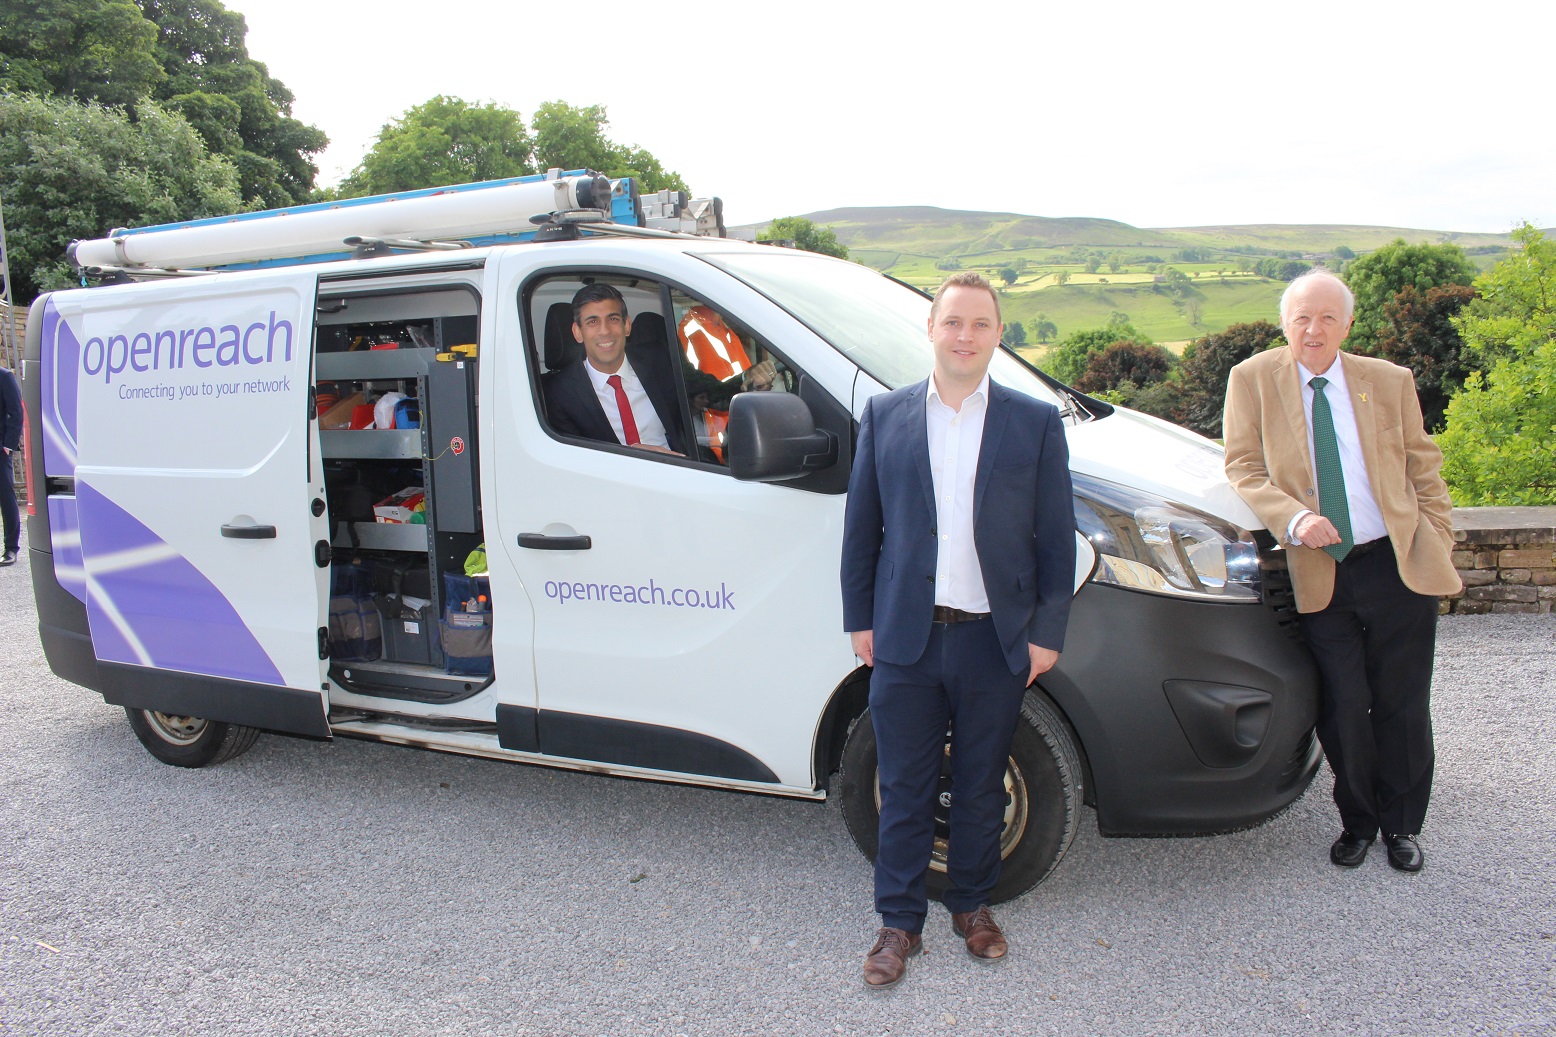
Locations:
{"points": [[629, 428]]}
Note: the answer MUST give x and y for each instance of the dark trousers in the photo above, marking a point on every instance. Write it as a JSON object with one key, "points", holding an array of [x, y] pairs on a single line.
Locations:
{"points": [[961, 682], [8, 513], [1374, 647]]}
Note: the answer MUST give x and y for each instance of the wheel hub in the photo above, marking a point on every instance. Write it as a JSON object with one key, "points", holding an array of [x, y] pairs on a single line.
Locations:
{"points": [[179, 730]]}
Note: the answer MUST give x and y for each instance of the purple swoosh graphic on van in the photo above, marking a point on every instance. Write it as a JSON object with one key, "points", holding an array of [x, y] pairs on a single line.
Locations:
{"points": [[61, 372], [65, 537], [149, 606]]}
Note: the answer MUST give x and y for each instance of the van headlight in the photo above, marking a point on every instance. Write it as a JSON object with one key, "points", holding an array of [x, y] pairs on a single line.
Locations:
{"points": [[1147, 543]]}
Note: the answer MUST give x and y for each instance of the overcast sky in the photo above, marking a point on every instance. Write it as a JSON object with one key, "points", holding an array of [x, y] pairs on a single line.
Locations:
{"points": [[1418, 114]]}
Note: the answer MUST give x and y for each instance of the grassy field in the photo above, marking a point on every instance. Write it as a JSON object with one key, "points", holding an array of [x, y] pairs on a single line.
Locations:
{"points": [[917, 244], [1076, 307]]}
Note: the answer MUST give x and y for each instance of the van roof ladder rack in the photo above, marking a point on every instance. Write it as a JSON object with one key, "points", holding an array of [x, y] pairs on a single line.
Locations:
{"points": [[485, 213]]}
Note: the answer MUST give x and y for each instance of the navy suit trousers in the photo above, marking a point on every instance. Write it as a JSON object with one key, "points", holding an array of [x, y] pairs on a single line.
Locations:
{"points": [[9, 513], [961, 682]]}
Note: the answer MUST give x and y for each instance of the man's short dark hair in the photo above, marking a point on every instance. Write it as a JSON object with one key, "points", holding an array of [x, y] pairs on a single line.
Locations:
{"points": [[596, 293]]}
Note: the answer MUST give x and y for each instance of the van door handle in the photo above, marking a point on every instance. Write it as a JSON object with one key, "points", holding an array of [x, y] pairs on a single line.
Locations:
{"points": [[542, 542], [249, 532]]}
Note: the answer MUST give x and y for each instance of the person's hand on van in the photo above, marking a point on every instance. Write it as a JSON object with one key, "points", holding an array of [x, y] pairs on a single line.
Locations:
{"points": [[1043, 660], [1314, 530], [864, 645], [761, 377]]}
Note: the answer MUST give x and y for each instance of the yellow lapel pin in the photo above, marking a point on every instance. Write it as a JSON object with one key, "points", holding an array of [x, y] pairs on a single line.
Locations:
{"points": [[1364, 397]]}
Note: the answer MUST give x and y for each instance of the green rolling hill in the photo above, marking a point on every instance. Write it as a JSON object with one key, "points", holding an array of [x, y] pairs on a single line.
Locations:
{"points": [[1053, 258]]}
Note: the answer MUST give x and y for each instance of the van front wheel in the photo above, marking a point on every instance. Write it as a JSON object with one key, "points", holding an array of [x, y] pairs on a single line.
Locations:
{"points": [[189, 741], [1043, 795]]}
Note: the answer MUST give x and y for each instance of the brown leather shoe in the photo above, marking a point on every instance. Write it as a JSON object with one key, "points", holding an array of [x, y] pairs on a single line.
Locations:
{"points": [[985, 940], [888, 959]]}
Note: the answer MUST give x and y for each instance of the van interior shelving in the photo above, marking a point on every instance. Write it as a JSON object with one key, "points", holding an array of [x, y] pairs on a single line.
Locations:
{"points": [[419, 344]]}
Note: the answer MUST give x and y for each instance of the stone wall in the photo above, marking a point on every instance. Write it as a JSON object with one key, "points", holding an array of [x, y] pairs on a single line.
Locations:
{"points": [[1507, 559]]}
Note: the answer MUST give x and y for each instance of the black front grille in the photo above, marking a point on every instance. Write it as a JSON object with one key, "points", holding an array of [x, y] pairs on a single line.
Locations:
{"points": [[1275, 583]]}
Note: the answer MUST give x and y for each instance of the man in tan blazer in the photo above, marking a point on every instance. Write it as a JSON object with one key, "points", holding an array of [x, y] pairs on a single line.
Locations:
{"points": [[1367, 564]]}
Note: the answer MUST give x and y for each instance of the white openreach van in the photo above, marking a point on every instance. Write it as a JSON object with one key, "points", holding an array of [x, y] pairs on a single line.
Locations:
{"points": [[221, 428]]}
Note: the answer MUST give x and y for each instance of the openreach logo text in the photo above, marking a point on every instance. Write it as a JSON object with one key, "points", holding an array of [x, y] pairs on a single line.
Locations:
{"points": [[172, 349], [649, 593]]}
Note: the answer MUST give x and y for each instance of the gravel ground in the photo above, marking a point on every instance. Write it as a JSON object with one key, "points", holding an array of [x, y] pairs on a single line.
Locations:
{"points": [[353, 888]]}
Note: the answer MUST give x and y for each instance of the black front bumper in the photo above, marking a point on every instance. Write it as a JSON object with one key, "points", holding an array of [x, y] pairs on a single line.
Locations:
{"points": [[1194, 717]]}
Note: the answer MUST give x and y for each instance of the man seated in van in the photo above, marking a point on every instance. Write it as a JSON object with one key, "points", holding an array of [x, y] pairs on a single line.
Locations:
{"points": [[614, 394]]}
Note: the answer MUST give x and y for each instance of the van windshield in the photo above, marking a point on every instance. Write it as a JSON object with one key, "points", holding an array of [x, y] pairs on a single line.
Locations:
{"points": [[876, 322]]}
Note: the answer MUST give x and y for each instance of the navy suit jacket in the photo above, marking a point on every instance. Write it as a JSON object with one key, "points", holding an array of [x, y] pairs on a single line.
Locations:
{"points": [[10, 412], [574, 409], [1023, 526]]}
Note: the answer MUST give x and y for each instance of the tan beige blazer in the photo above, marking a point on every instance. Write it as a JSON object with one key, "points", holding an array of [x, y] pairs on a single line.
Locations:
{"points": [[1269, 465]]}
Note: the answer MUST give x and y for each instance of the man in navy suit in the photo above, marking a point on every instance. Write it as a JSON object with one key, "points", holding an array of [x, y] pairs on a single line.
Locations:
{"points": [[958, 568], [10, 443], [614, 394]]}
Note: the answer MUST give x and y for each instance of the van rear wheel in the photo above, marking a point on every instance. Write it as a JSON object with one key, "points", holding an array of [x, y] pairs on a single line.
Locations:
{"points": [[189, 741], [1043, 794]]}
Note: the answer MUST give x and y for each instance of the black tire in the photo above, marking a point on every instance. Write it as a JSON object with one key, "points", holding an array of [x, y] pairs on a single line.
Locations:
{"points": [[1042, 809], [189, 741]]}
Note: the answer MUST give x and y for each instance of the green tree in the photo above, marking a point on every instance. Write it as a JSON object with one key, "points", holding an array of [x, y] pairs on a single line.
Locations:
{"points": [[239, 108], [567, 137], [88, 50], [1344, 252], [70, 170], [805, 235], [1377, 277], [1497, 447], [1008, 274], [443, 141], [1131, 363], [1516, 311], [1093, 264], [1067, 362], [1159, 399], [189, 56], [1015, 333], [1043, 329], [1420, 335], [1061, 277], [1205, 366]]}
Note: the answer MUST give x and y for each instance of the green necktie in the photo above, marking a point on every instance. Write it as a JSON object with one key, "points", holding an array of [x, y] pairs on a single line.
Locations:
{"points": [[1331, 476]]}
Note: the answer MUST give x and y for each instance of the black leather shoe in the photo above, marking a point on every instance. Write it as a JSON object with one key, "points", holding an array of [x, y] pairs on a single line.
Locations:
{"points": [[1404, 854], [9, 558], [1349, 850]]}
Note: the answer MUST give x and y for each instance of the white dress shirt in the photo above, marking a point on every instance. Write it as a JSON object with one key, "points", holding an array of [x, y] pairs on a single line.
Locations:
{"points": [[1366, 518], [955, 438], [651, 431]]}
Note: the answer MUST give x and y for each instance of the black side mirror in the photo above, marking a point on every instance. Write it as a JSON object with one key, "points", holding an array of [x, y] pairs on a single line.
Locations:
{"points": [[772, 436]]}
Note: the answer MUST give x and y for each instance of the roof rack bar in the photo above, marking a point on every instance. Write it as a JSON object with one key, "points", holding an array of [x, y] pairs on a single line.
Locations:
{"points": [[491, 208]]}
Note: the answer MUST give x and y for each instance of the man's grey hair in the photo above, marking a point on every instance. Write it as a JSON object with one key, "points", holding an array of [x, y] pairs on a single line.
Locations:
{"points": [[1317, 271]]}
